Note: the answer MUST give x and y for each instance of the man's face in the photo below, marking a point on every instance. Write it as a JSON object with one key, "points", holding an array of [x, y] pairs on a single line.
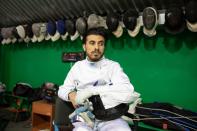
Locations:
{"points": [[94, 47]]}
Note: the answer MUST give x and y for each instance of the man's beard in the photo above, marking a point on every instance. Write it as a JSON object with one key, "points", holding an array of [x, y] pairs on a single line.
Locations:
{"points": [[95, 58]]}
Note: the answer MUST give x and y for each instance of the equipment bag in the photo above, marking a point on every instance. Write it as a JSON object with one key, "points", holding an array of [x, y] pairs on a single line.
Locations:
{"points": [[167, 116], [23, 89], [49, 91]]}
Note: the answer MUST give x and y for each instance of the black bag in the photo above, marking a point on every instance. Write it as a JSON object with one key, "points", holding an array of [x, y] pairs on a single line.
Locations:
{"points": [[23, 89], [26, 90], [49, 91], [36, 95], [167, 116]]}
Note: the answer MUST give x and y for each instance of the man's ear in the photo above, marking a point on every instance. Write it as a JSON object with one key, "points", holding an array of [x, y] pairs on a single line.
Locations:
{"points": [[84, 47]]}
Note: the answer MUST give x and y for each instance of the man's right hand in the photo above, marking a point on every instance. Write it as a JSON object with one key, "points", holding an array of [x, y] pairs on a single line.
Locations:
{"points": [[84, 94], [72, 97]]}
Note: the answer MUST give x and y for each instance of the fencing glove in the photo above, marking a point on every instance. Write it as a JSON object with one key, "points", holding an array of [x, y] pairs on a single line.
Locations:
{"points": [[84, 94]]}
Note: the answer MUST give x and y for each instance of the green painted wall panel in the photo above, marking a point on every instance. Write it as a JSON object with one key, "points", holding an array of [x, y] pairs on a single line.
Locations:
{"points": [[162, 68]]}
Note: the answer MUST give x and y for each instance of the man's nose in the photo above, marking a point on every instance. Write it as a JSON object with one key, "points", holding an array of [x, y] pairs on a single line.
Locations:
{"points": [[96, 46]]}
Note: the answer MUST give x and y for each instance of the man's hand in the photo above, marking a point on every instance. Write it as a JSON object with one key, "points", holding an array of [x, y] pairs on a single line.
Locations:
{"points": [[84, 94], [72, 97]]}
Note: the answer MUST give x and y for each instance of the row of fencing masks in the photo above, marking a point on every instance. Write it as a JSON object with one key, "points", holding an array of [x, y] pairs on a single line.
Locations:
{"points": [[54, 30], [38, 32], [175, 21], [132, 22], [150, 21], [191, 15]]}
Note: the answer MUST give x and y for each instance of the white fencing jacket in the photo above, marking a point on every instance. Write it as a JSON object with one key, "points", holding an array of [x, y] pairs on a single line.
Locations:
{"points": [[106, 76]]}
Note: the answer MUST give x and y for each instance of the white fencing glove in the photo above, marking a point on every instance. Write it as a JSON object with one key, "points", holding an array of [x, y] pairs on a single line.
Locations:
{"points": [[84, 94]]}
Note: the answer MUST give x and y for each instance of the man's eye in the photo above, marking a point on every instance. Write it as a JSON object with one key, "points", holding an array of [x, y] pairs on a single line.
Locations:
{"points": [[92, 42], [101, 43]]}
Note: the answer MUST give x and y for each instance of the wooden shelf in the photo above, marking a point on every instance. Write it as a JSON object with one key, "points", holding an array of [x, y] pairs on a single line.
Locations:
{"points": [[42, 115]]}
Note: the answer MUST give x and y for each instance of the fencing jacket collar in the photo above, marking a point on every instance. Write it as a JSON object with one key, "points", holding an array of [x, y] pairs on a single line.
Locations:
{"points": [[97, 64]]}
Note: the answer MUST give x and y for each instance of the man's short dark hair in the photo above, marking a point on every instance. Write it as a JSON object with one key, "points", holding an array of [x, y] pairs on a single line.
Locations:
{"points": [[95, 31]]}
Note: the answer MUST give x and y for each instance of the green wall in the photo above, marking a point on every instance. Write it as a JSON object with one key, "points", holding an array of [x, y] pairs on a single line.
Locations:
{"points": [[162, 68]]}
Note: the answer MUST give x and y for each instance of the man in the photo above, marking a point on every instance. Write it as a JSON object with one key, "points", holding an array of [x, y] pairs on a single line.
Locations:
{"points": [[98, 76]]}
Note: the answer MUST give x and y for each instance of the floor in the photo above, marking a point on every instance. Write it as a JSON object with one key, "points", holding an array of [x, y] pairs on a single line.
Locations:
{"points": [[26, 126], [19, 126]]}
